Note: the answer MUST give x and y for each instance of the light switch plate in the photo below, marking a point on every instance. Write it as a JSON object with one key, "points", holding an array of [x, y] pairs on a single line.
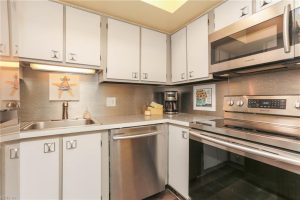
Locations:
{"points": [[111, 101]]}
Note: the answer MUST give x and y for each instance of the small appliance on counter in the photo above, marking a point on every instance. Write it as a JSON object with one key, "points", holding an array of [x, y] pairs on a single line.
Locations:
{"points": [[171, 102]]}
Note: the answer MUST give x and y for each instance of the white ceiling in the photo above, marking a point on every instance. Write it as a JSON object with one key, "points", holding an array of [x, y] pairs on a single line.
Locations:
{"points": [[147, 15]]}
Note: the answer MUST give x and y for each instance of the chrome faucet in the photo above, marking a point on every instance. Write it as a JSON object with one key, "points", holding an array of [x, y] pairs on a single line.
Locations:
{"points": [[65, 112]]}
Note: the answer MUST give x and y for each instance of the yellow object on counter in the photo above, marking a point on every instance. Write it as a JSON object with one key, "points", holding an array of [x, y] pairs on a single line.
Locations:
{"points": [[147, 113], [156, 105], [155, 111]]}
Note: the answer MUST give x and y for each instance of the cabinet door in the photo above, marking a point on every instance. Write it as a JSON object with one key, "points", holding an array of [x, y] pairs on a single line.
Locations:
{"points": [[82, 37], [178, 45], [197, 48], [262, 4], [11, 171], [153, 56], [123, 50], [179, 159], [230, 12], [39, 169], [40, 29], [82, 167], [4, 30]]}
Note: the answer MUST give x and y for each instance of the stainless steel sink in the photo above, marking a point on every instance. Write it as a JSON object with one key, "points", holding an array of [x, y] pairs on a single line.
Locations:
{"points": [[55, 124]]}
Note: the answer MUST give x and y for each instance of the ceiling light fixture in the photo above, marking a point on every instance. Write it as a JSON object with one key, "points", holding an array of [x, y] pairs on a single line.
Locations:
{"points": [[61, 69], [10, 64], [167, 5]]}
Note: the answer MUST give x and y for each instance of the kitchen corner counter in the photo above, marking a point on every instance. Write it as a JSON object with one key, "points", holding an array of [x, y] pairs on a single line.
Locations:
{"points": [[112, 122]]}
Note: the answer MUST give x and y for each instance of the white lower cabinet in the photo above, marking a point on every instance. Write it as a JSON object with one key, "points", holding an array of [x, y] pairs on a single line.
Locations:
{"points": [[11, 172], [82, 167], [179, 160], [39, 169]]}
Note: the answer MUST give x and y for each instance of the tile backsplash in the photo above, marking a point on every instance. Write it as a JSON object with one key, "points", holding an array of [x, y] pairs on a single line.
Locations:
{"points": [[35, 104], [131, 98]]}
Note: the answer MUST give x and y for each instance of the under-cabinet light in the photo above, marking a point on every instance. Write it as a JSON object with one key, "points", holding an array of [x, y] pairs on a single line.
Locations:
{"points": [[61, 69], [11, 64]]}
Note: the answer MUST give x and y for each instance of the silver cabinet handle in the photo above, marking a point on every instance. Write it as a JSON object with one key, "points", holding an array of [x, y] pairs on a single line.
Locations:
{"points": [[49, 147], [286, 31], [191, 74], [145, 75], [72, 144], [120, 137], [134, 75], [16, 50], [265, 2], [14, 153], [72, 56], [245, 11], [185, 135], [182, 75], [55, 54], [248, 149]]}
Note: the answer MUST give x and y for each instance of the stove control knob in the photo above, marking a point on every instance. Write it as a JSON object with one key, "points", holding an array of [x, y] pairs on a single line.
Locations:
{"points": [[297, 104], [231, 103], [240, 103]]}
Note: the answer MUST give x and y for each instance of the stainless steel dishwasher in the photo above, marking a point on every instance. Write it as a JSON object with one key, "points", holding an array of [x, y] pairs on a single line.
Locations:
{"points": [[138, 162]]}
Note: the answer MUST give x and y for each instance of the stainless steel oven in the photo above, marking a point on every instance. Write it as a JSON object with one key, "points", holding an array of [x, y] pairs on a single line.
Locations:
{"points": [[253, 153], [264, 37]]}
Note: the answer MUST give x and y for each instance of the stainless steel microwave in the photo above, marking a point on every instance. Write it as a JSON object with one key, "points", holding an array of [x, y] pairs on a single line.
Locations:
{"points": [[268, 36]]}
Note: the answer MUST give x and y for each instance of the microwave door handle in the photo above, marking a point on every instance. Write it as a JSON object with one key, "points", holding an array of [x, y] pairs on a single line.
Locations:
{"points": [[247, 149], [286, 30]]}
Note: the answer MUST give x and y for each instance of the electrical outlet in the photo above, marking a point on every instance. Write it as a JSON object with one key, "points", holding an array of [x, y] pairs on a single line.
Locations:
{"points": [[111, 101]]}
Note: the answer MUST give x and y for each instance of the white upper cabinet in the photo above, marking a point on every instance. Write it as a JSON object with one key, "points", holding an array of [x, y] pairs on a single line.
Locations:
{"points": [[230, 12], [178, 56], [82, 37], [39, 169], [82, 167], [153, 56], [40, 30], [4, 29], [123, 51], [262, 4], [197, 48]]}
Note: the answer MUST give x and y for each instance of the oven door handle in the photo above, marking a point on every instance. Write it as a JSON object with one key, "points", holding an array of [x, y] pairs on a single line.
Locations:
{"points": [[286, 30], [247, 149], [125, 137]]}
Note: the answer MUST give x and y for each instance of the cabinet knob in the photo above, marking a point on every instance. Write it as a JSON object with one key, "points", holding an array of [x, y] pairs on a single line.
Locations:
{"points": [[72, 144], [55, 54], [185, 135], [49, 147], [191, 74], [14, 153]]}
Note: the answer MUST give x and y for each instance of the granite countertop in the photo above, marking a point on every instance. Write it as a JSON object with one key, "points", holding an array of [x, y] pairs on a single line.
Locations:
{"points": [[112, 122]]}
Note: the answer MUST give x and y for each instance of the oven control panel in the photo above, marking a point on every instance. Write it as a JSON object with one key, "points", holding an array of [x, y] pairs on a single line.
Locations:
{"points": [[267, 103], [288, 105]]}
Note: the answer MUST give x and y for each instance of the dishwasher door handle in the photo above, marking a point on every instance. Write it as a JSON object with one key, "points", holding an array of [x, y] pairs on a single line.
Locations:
{"points": [[125, 137]]}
